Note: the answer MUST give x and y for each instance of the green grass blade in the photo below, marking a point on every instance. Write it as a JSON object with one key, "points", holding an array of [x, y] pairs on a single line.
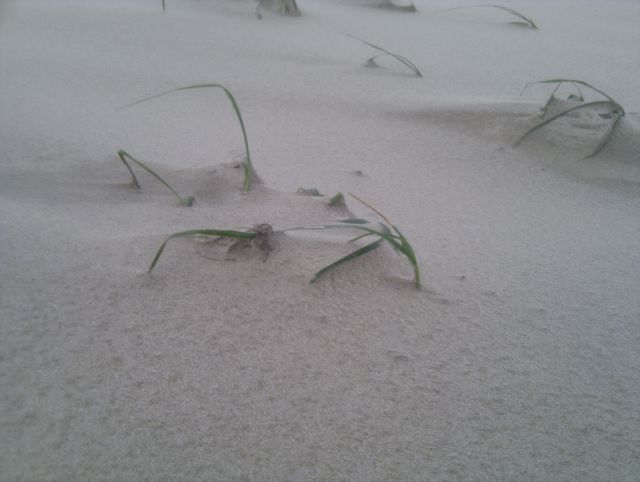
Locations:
{"points": [[202, 232], [579, 82], [411, 256], [164, 9], [562, 114], [247, 165], [399, 58], [607, 137], [527, 20], [513, 12], [134, 180], [355, 254], [122, 154]]}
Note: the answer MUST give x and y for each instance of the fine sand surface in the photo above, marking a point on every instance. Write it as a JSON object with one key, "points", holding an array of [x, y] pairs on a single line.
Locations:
{"points": [[519, 358]]}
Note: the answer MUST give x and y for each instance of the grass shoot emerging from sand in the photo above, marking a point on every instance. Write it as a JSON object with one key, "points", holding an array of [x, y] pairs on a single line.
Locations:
{"points": [[387, 232], [259, 236], [123, 155], [371, 62], [616, 112], [247, 165], [524, 20], [284, 7]]}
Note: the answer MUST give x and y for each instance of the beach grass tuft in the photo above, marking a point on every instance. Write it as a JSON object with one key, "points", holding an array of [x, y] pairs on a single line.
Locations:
{"points": [[616, 112], [124, 155], [247, 164], [386, 232], [371, 62], [260, 234]]}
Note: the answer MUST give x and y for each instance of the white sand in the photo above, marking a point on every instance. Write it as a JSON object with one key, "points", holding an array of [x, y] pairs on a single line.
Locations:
{"points": [[519, 358]]}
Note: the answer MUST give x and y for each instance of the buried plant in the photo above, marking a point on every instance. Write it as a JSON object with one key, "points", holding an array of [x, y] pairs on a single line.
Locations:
{"points": [[247, 165], [123, 155], [259, 236], [371, 62], [525, 20], [284, 7], [616, 111]]}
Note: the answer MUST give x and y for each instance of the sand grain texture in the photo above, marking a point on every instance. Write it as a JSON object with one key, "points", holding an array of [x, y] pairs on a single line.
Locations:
{"points": [[518, 360]]}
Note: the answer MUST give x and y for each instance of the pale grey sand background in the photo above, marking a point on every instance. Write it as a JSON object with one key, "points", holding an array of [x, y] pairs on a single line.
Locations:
{"points": [[517, 361]]}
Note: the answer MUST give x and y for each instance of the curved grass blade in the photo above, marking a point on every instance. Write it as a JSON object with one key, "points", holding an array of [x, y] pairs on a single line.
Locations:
{"points": [[576, 83], [562, 114], [202, 232], [399, 58], [355, 254], [527, 20], [607, 137], [122, 154], [247, 165]]}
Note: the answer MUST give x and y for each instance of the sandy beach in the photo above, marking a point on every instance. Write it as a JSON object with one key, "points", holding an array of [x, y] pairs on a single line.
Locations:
{"points": [[516, 360]]}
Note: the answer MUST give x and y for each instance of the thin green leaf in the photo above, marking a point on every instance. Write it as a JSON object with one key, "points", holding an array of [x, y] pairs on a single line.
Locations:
{"points": [[355, 254], [562, 114], [122, 154], [202, 232], [247, 165], [399, 58]]}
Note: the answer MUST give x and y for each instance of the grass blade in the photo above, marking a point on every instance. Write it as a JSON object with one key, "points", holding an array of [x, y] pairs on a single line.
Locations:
{"points": [[355, 254], [607, 137], [399, 58], [527, 20], [576, 83], [562, 114], [123, 155], [202, 232], [247, 165], [164, 9]]}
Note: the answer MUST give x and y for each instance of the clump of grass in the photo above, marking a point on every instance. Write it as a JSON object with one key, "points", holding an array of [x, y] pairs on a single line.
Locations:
{"points": [[284, 7], [123, 155], [259, 235], [524, 20], [371, 62], [386, 232], [247, 165], [337, 200], [616, 112]]}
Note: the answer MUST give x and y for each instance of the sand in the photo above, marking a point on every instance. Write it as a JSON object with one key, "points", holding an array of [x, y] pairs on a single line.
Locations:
{"points": [[517, 360]]}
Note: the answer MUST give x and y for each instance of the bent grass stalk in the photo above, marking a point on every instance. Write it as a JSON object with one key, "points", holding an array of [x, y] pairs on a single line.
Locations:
{"points": [[389, 233], [618, 111], [247, 165], [124, 155], [529, 22], [399, 58]]}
